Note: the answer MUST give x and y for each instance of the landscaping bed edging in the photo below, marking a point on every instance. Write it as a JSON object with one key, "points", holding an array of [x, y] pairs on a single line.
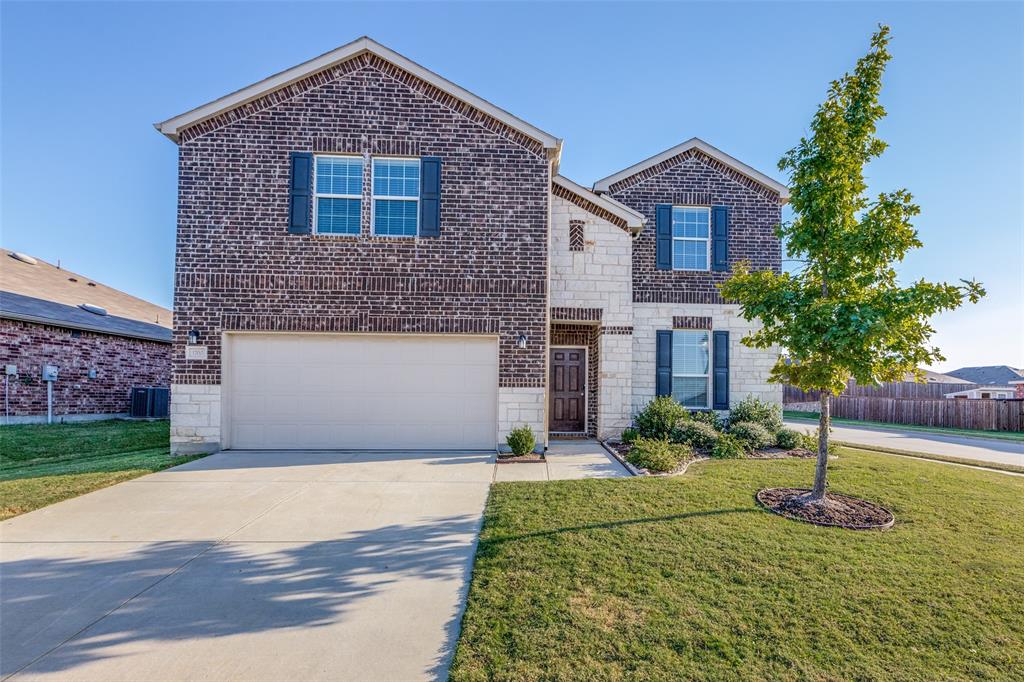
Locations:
{"points": [[836, 510]]}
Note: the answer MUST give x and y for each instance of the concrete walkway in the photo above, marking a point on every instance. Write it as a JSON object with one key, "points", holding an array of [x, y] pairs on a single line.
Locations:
{"points": [[248, 566], [565, 459], [980, 449]]}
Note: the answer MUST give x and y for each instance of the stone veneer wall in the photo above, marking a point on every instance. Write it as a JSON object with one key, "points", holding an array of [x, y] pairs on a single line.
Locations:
{"points": [[195, 418], [519, 406], [596, 281], [748, 367], [121, 363]]}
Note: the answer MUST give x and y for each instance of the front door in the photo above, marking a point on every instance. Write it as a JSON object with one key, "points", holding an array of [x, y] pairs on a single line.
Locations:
{"points": [[568, 389]]}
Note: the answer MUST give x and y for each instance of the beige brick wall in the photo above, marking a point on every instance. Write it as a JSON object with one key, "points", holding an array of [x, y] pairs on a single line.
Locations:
{"points": [[195, 418], [748, 367]]}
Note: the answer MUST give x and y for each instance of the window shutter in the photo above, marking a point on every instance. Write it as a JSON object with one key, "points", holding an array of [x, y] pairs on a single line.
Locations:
{"points": [[663, 362], [720, 346], [663, 236], [719, 238], [430, 196], [300, 193]]}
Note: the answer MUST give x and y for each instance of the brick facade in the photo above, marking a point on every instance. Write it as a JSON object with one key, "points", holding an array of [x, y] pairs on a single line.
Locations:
{"points": [[120, 363], [695, 178]]}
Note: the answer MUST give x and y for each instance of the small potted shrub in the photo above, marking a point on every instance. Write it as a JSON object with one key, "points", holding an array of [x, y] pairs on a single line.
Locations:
{"points": [[521, 440]]}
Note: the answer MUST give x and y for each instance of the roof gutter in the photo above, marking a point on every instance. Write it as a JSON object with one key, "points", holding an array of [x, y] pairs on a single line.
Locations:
{"points": [[49, 321]]}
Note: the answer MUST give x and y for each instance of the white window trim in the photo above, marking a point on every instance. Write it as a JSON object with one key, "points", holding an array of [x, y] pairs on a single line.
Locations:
{"points": [[706, 240], [317, 195], [708, 375], [374, 196]]}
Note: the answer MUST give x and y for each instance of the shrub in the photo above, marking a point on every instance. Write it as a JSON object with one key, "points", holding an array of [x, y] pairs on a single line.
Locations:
{"points": [[628, 434], [754, 436], [787, 439], [728, 446], [521, 440], [709, 417], [658, 455], [696, 434], [809, 441], [754, 410], [659, 418]]}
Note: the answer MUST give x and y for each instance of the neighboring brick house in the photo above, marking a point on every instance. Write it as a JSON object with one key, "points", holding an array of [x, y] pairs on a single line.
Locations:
{"points": [[370, 256], [102, 341]]}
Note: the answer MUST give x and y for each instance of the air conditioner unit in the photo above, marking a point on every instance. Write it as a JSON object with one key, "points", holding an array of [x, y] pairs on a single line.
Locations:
{"points": [[150, 402]]}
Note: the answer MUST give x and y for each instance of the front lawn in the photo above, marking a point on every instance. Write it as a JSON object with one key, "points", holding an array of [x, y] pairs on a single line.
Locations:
{"points": [[43, 464], [687, 578]]}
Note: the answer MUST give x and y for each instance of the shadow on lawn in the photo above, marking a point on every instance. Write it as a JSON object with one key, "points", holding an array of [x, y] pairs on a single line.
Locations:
{"points": [[200, 590]]}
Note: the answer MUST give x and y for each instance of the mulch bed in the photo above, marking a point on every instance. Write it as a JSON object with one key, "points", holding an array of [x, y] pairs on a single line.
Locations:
{"points": [[509, 458], [838, 510]]}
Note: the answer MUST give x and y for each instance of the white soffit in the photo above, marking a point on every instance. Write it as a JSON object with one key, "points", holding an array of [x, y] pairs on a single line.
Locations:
{"points": [[604, 184], [634, 219], [171, 127]]}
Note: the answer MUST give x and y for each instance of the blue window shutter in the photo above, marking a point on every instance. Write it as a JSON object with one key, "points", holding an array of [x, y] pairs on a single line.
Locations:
{"points": [[720, 347], [663, 363], [719, 238], [300, 193], [663, 236], [430, 196]]}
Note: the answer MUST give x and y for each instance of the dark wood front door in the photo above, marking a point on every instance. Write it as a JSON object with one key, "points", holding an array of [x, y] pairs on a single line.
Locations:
{"points": [[568, 389]]}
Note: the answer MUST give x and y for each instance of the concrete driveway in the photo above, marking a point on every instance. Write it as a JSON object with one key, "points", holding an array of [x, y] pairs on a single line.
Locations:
{"points": [[248, 566]]}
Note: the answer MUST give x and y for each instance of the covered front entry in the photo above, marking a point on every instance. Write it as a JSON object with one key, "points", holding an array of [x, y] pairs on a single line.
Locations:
{"points": [[568, 390], [360, 391]]}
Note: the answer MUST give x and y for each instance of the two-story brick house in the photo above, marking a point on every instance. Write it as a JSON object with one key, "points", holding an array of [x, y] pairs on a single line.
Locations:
{"points": [[369, 256]]}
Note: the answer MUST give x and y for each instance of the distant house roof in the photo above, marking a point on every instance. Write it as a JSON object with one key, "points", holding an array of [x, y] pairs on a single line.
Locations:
{"points": [[994, 375], [33, 290], [931, 377]]}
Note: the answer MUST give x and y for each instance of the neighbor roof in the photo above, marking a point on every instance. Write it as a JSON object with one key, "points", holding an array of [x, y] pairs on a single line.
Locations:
{"points": [[937, 378], [53, 295], [605, 184], [28, 309], [998, 375], [172, 127], [627, 218]]}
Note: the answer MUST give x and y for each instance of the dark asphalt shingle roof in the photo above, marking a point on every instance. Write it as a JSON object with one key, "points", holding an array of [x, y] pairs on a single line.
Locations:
{"points": [[20, 307], [995, 375]]}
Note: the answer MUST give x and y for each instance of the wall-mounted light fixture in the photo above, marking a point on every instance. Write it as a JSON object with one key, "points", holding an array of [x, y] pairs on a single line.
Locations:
{"points": [[521, 341], [193, 337]]}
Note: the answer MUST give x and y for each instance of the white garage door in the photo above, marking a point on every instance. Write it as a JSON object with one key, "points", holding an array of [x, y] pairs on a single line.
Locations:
{"points": [[295, 391]]}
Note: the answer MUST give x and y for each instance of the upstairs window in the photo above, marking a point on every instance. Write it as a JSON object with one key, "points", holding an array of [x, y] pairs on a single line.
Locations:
{"points": [[396, 195], [339, 194], [691, 368], [691, 231]]}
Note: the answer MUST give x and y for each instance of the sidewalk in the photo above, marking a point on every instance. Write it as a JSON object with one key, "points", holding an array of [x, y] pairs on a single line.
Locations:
{"points": [[566, 459]]}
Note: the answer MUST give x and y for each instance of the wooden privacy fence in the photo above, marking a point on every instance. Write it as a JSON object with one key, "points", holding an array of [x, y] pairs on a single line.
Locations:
{"points": [[897, 389], [986, 415]]}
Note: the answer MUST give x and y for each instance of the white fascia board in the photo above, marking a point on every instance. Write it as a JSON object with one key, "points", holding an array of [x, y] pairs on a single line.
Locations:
{"points": [[634, 219], [695, 143], [171, 127]]}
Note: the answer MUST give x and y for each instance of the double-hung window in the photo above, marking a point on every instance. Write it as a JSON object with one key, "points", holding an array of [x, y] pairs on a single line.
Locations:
{"points": [[691, 230], [691, 368], [396, 197], [339, 194]]}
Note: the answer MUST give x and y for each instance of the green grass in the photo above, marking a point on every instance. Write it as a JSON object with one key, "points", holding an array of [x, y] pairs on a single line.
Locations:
{"points": [[973, 433], [687, 578], [43, 464]]}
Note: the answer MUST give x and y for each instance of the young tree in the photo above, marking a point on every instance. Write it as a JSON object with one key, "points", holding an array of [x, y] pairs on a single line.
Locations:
{"points": [[843, 313]]}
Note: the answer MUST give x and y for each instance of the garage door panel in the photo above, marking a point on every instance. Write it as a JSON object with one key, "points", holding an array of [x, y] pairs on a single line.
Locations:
{"points": [[337, 391]]}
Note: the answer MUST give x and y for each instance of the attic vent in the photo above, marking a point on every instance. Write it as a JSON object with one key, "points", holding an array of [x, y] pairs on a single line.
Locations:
{"points": [[24, 258], [94, 309], [92, 284], [72, 279]]}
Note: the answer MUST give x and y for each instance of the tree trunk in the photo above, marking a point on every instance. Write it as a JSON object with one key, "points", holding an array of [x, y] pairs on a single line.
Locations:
{"points": [[821, 471]]}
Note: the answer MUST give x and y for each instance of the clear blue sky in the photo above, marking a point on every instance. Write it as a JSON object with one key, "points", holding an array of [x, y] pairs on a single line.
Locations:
{"points": [[86, 179]]}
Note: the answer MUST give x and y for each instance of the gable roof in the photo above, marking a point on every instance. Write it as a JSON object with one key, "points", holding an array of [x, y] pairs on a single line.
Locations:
{"points": [[601, 206], [997, 375], [172, 127], [604, 184], [42, 292]]}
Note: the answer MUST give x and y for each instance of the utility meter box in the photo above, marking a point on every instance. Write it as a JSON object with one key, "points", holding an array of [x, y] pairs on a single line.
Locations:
{"points": [[49, 372]]}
